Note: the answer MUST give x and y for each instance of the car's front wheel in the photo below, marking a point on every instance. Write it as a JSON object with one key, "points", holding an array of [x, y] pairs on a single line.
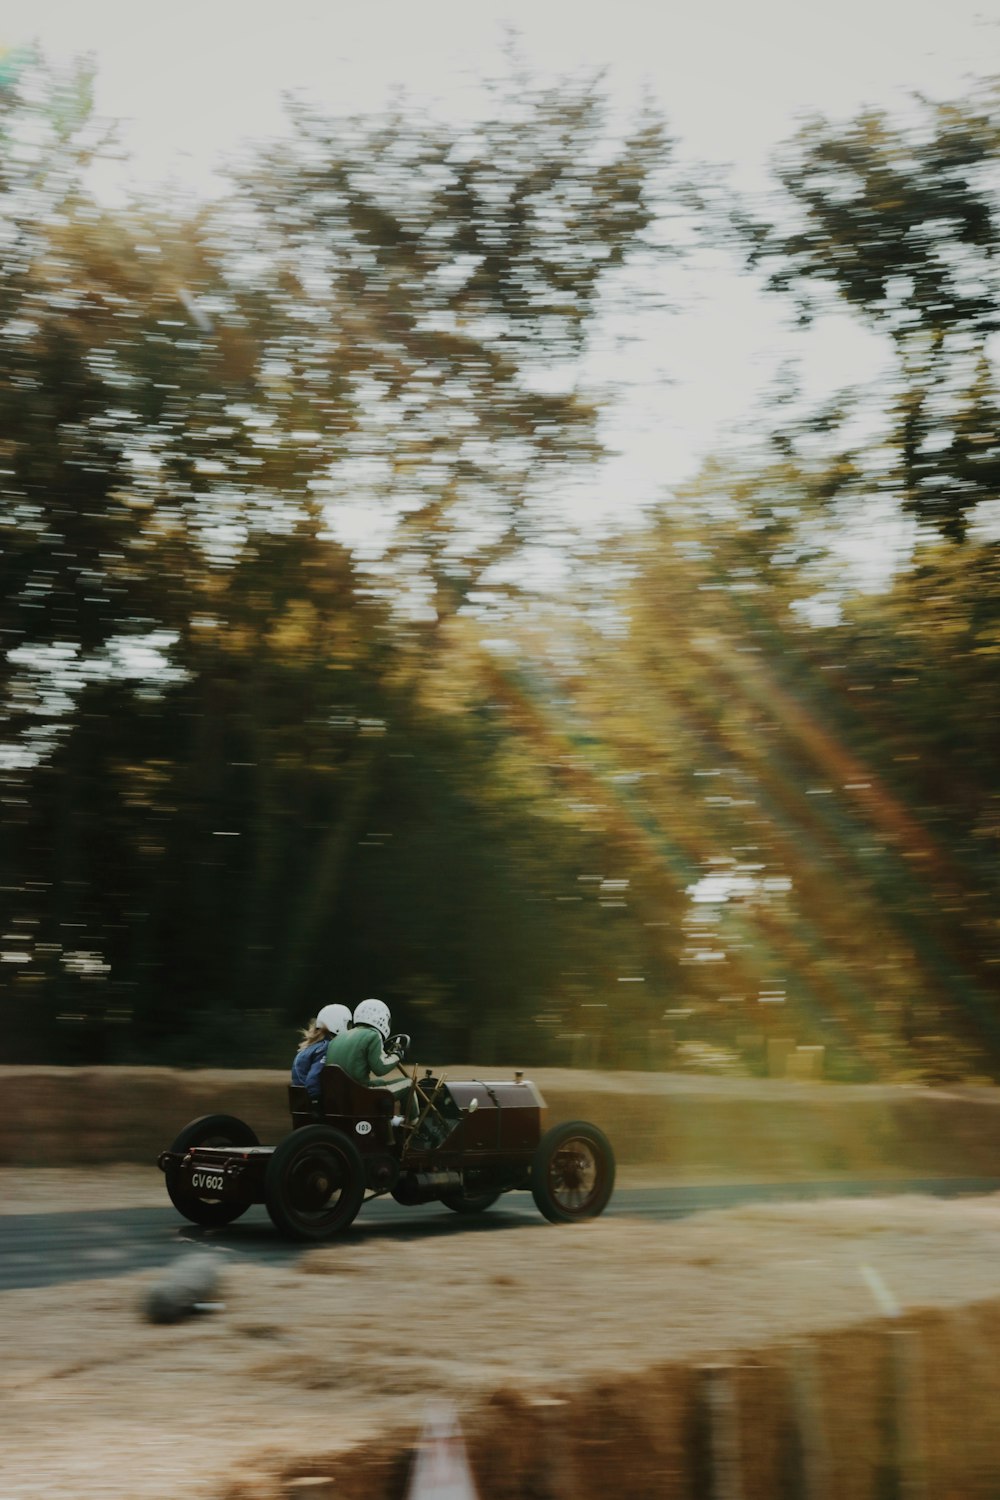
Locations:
{"points": [[315, 1183], [209, 1130], [572, 1173]]}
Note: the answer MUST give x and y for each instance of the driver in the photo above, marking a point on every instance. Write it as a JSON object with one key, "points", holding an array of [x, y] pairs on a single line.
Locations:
{"points": [[367, 1052]]}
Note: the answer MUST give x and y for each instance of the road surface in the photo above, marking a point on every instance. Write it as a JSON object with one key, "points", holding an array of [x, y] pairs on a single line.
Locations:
{"points": [[51, 1248]]}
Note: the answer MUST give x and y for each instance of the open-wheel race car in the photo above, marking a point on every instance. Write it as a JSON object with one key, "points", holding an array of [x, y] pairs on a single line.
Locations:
{"points": [[461, 1144]]}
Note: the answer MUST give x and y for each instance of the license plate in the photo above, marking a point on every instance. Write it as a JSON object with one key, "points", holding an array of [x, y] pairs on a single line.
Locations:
{"points": [[207, 1184]]}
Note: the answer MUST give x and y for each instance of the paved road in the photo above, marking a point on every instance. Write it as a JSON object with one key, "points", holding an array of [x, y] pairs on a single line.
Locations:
{"points": [[47, 1249]]}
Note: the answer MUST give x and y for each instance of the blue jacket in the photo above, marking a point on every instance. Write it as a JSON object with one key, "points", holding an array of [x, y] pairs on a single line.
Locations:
{"points": [[308, 1065]]}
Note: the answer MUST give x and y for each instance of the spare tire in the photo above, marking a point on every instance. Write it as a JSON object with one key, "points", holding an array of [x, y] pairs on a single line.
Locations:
{"points": [[209, 1130]]}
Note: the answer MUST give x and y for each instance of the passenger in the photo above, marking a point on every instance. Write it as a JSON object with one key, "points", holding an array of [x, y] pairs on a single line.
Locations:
{"points": [[310, 1059], [366, 1052]]}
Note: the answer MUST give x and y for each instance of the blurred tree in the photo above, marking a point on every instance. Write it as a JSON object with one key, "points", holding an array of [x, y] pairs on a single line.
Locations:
{"points": [[203, 710], [902, 223], [823, 792], [433, 291]]}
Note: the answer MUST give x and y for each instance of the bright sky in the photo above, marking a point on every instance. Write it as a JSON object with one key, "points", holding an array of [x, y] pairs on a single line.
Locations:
{"points": [[194, 77]]}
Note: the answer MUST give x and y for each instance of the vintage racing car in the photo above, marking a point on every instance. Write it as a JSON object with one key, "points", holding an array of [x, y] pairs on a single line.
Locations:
{"points": [[461, 1144]]}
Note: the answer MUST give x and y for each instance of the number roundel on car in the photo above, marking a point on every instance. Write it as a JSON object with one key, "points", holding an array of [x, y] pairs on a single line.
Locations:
{"points": [[363, 1127]]}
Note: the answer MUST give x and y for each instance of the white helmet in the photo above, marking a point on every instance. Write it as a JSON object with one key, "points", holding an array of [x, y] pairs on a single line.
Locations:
{"points": [[334, 1018], [374, 1013]]}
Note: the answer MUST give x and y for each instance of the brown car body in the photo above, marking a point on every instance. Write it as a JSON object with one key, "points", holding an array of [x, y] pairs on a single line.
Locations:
{"points": [[461, 1144]]}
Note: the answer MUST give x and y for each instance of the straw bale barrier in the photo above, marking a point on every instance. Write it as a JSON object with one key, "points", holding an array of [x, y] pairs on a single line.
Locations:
{"points": [[686, 1124]]}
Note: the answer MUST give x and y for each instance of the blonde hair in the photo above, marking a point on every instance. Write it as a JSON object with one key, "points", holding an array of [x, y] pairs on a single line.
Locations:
{"points": [[314, 1032]]}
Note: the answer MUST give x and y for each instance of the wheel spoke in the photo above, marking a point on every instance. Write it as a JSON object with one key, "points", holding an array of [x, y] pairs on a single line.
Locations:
{"points": [[574, 1176], [316, 1183]]}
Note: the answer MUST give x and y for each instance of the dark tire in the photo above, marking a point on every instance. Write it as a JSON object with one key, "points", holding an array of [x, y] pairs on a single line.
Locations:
{"points": [[572, 1173], [210, 1130], [463, 1202], [315, 1183]]}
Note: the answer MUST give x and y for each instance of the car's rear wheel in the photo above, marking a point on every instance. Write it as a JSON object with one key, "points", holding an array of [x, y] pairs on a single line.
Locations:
{"points": [[209, 1130], [572, 1173], [315, 1183]]}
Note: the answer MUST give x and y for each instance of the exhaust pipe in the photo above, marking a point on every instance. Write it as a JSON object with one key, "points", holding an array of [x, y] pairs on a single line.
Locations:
{"points": [[425, 1187]]}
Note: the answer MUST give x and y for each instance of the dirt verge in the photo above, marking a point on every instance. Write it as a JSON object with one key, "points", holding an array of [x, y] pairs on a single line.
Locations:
{"points": [[326, 1366]]}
